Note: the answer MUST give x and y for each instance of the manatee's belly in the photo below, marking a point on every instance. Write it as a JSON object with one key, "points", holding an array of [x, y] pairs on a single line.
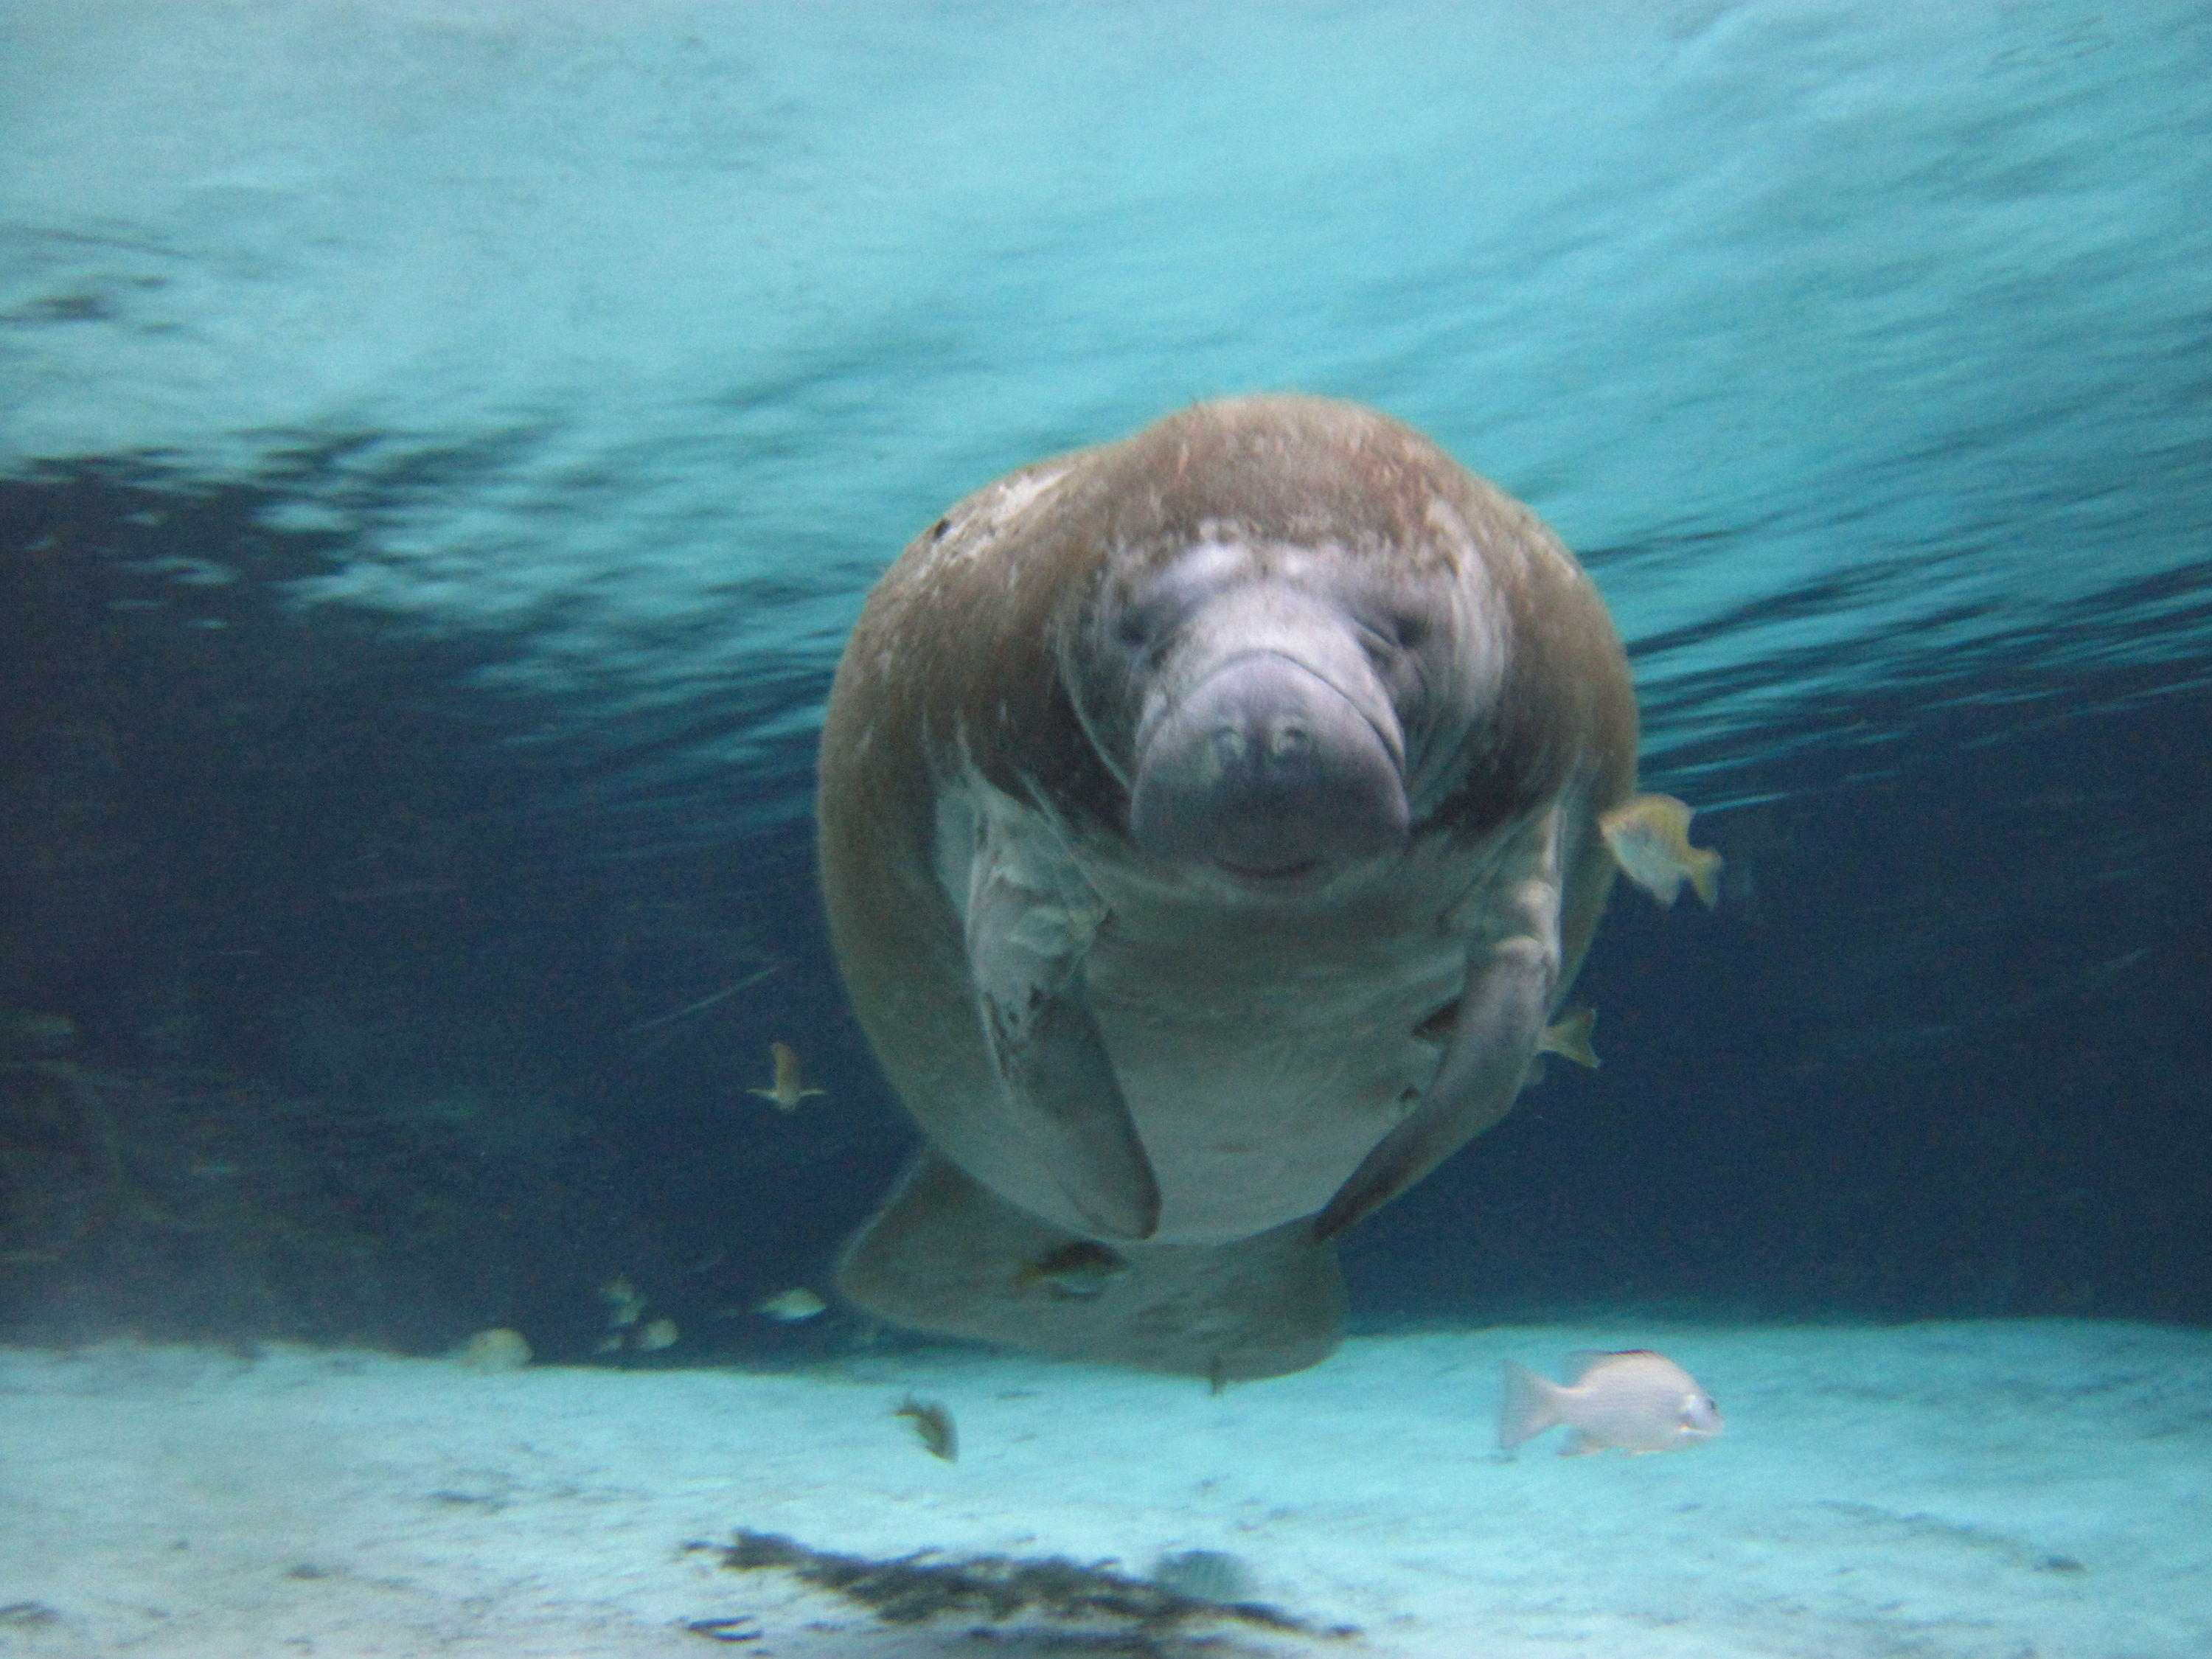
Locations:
{"points": [[1262, 1063]]}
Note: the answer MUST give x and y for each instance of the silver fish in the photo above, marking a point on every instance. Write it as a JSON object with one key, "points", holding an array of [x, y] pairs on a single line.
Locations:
{"points": [[789, 1307], [1635, 1402]]}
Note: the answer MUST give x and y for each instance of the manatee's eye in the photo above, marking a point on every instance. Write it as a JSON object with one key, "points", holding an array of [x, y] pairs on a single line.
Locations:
{"points": [[1387, 633], [1147, 619], [1150, 608]]}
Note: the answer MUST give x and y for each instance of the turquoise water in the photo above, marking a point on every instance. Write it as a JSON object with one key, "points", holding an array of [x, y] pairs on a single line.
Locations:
{"points": [[1852, 345]]}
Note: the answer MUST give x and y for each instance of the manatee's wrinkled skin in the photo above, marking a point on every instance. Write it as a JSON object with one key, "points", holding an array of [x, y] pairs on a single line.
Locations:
{"points": [[1208, 829]]}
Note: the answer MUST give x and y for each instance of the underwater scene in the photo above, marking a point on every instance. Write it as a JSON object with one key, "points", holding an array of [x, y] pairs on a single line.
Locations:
{"points": [[1264, 1001]]}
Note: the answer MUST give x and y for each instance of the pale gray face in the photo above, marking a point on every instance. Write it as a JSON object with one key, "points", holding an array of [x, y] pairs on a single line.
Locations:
{"points": [[1701, 1419], [1266, 704]]}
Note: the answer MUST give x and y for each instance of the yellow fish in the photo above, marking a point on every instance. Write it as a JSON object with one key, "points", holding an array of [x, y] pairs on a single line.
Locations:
{"points": [[501, 1350], [1650, 839], [1076, 1271], [1634, 1401], [1569, 1037], [786, 1091]]}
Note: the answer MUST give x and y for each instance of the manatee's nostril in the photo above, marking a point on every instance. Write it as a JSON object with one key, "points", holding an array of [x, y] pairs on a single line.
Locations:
{"points": [[1236, 748], [1268, 770]]}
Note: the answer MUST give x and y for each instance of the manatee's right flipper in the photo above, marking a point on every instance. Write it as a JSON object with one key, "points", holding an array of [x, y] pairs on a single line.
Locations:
{"points": [[1029, 929], [948, 1257]]}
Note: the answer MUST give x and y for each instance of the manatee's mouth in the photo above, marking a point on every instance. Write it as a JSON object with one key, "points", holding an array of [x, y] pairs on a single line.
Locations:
{"points": [[1268, 772]]}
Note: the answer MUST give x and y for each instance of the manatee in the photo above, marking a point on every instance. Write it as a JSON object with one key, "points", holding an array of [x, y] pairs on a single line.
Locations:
{"points": [[1211, 824]]}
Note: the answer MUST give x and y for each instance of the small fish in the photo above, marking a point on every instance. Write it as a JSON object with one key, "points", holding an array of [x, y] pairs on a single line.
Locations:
{"points": [[623, 1303], [1569, 1037], [786, 1091], [656, 1334], [500, 1350], [1650, 839], [789, 1307], [1637, 1402], [933, 1423], [1076, 1271]]}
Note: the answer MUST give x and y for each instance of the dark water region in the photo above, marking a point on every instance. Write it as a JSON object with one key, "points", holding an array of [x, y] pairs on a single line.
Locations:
{"points": [[329, 1012], [352, 993]]}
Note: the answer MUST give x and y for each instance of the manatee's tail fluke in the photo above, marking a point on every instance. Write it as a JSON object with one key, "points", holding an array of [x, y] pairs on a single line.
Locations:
{"points": [[1531, 1406], [948, 1257]]}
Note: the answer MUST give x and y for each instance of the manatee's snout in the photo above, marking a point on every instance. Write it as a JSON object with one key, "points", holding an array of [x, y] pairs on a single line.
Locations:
{"points": [[1266, 770]]}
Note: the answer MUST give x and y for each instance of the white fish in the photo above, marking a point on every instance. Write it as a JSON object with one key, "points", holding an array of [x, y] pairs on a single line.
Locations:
{"points": [[1637, 1402]]}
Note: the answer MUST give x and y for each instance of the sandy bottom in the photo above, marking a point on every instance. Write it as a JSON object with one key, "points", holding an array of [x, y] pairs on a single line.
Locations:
{"points": [[1990, 1491]]}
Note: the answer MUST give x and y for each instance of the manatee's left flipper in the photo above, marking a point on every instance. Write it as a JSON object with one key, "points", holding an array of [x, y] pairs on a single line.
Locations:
{"points": [[1510, 982], [1493, 1040], [1027, 937]]}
